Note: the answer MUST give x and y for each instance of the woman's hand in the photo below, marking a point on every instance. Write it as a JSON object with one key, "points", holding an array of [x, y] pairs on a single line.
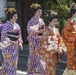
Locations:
{"points": [[61, 52], [20, 47], [41, 31]]}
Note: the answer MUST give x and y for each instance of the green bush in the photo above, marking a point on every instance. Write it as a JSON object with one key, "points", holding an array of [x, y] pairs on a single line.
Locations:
{"points": [[61, 7]]}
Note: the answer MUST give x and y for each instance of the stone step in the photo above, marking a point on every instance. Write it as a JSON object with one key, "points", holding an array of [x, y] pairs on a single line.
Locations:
{"points": [[26, 47], [19, 72], [61, 65], [24, 54], [25, 51], [23, 57], [59, 71], [64, 57], [22, 67], [22, 63]]}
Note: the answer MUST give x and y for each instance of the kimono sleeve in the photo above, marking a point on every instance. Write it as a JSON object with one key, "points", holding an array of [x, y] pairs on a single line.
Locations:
{"points": [[42, 45], [4, 33], [4, 44], [4, 39], [67, 34], [60, 48], [59, 38], [32, 34], [20, 36]]}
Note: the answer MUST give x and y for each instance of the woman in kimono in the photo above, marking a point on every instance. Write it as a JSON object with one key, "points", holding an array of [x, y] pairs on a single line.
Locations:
{"points": [[69, 38], [35, 28], [50, 43], [10, 53]]}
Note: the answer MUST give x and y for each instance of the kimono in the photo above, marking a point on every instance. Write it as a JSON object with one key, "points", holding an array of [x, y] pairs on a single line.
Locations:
{"points": [[50, 43], [10, 53], [4, 44], [34, 62], [69, 38]]}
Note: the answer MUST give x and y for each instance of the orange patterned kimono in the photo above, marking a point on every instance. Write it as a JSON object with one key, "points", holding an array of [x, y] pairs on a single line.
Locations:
{"points": [[69, 38], [48, 48]]}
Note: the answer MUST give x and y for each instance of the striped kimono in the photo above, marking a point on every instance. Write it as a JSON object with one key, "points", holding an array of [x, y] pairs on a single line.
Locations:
{"points": [[10, 53], [35, 65]]}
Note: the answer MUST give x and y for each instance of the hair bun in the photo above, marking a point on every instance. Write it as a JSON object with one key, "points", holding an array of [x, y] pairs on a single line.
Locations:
{"points": [[50, 13], [35, 5], [11, 10], [46, 14]]}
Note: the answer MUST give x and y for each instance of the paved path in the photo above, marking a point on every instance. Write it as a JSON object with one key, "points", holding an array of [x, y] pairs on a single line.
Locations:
{"points": [[21, 72]]}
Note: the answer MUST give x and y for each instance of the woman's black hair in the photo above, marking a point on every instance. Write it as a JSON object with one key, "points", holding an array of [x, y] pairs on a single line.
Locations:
{"points": [[74, 1], [72, 10], [9, 15], [34, 10], [35, 7], [50, 15]]}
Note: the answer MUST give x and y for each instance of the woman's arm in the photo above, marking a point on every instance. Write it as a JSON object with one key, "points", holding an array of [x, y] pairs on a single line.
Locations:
{"points": [[67, 34], [20, 42]]}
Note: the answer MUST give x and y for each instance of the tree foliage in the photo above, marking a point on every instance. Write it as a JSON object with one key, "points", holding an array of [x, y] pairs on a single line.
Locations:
{"points": [[60, 6]]}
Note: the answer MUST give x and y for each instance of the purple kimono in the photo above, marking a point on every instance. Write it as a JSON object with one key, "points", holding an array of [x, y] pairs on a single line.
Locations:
{"points": [[11, 52], [1, 25], [35, 64]]}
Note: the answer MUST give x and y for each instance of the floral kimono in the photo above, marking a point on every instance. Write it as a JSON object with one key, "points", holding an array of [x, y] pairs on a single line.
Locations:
{"points": [[4, 44], [69, 38], [10, 53], [34, 62], [48, 48]]}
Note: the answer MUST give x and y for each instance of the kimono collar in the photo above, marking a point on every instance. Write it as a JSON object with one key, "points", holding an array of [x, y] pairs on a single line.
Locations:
{"points": [[70, 21], [11, 24], [36, 19], [53, 29]]}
